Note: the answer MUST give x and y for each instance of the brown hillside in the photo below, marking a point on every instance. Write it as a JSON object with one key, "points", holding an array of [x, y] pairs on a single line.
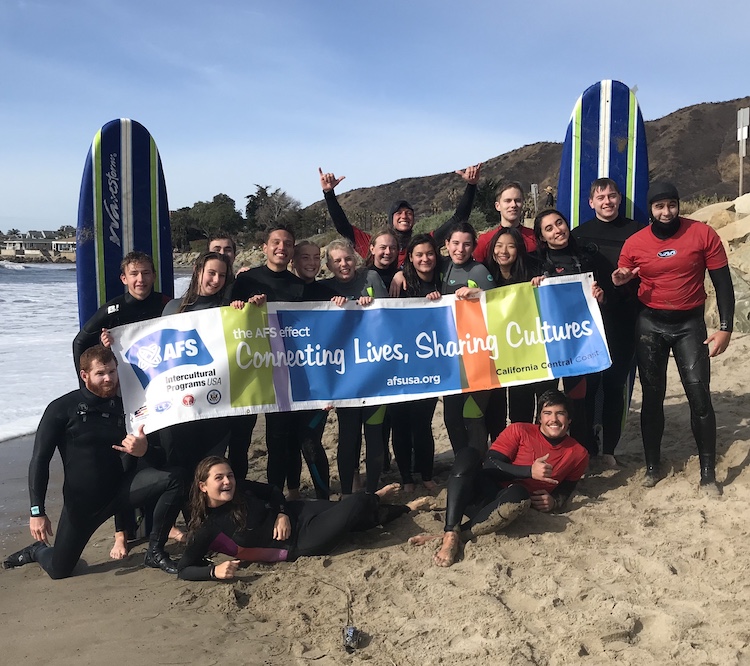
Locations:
{"points": [[696, 147]]}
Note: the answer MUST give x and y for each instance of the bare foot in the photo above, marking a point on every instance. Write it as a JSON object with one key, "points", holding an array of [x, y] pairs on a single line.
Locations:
{"points": [[293, 495], [430, 485], [424, 503], [422, 539], [176, 534], [388, 491], [447, 553], [120, 548]]}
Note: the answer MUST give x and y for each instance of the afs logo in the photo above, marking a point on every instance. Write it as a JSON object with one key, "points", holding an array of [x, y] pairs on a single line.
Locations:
{"points": [[164, 350], [666, 253]]}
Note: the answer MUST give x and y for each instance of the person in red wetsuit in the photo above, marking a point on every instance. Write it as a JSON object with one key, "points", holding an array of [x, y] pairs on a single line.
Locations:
{"points": [[671, 257], [400, 215], [528, 465], [509, 203]]}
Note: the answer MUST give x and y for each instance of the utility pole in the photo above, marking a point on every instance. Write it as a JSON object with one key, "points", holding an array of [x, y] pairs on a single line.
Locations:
{"points": [[743, 121]]}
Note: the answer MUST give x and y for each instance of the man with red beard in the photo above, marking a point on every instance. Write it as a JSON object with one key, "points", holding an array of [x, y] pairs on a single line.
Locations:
{"points": [[101, 470]]}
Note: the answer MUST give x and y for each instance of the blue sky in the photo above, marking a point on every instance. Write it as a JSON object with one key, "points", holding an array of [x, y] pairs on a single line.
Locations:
{"points": [[241, 92]]}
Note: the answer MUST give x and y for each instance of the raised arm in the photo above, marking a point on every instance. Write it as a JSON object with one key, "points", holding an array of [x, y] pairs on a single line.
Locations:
{"points": [[328, 181], [465, 204]]}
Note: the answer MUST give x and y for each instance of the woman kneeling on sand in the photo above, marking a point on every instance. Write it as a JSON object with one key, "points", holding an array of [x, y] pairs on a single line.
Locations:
{"points": [[258, 524]]}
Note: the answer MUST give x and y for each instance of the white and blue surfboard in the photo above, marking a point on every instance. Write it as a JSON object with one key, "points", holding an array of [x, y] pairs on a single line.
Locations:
{"points": [[122, 207], [606, 137]]}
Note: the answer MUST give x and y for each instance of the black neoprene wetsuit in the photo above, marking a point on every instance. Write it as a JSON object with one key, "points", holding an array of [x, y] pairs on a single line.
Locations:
{"points": [[464, 414], [277, 286], [619, 311], [574, 260], [99, 482], [361, 239], [317, 528], [186, 444], [121, 310]]}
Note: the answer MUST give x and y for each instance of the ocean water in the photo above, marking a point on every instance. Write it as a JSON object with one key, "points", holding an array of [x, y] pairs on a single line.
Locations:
{"points": [[38, 321]]}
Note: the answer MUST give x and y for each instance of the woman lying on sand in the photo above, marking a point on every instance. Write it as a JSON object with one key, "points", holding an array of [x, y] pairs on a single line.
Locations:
{"points": [[259, 525]]}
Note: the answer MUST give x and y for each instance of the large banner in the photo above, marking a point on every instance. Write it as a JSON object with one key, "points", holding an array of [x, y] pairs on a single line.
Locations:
{"points": [[290, 356]]}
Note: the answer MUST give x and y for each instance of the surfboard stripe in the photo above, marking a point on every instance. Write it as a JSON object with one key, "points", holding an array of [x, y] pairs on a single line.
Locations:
{"points": [[632, 146], [98, 231], [576, 156], [126, 166], [155, 218], [605, 120]]}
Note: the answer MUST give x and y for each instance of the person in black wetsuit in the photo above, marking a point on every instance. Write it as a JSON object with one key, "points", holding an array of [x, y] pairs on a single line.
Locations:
{"points": [[411, 421], [671, 257], [242, 426], [400, 215], [274, 281], [528, 465], [139, 303], [256, 523], [351, 284], [559, 254], [102, 473], [460, 274], [509, 263], [607, 232], [187, 443]]}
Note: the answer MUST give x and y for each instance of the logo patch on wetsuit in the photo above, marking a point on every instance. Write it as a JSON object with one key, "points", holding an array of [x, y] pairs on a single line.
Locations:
{"points": [[666, 253], [164, 350], [113, 308]]}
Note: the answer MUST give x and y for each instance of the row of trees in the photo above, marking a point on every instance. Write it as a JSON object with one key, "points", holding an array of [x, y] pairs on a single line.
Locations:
{"points": [[264, 209], [268, 207]]}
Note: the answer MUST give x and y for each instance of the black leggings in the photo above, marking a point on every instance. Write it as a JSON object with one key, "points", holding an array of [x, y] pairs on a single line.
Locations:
{"points": [[683, 332], [515, 404], [352, 420], [322, 525], [476, 492], [412, 434], [163, 489], [284, 465], [241, 433], [310, 427], [615, 385], [464, 418]]}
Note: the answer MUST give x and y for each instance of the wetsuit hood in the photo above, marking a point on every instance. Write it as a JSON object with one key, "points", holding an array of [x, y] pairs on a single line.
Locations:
{"points": [[403, 236]]}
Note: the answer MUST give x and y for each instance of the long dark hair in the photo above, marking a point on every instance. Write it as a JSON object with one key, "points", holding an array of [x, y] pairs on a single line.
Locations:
{"points": [[199, 499], [410, 273], [541, 243], [520, 271], [194, 288]]}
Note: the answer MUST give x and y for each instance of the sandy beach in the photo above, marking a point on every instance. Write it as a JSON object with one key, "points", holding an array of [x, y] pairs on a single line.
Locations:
{"points": [[626, 575]]}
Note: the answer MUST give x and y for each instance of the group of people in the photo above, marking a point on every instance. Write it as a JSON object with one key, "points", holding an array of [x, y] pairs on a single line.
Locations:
{"points": [[648, 283]]}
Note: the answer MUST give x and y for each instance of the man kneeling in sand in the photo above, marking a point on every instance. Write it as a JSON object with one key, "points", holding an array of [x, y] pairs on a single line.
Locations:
{"points": [[527, 465], [105, 472]]}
